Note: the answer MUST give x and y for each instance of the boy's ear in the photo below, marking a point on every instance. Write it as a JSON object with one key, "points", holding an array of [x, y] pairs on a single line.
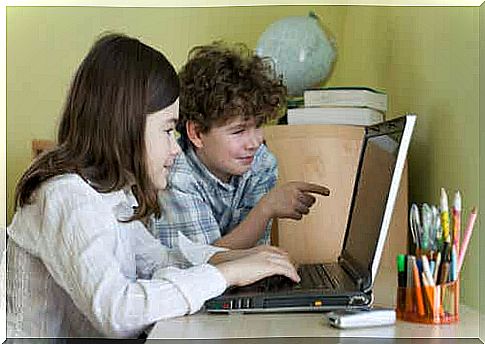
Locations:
{"points": [[194, 134]]}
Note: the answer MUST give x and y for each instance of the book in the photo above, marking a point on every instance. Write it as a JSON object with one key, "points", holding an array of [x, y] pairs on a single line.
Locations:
{"points": [[335, 115], [346, 97]]}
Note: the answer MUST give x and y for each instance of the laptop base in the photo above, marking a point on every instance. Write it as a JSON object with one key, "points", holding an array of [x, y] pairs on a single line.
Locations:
{"points": [[289, 302]]}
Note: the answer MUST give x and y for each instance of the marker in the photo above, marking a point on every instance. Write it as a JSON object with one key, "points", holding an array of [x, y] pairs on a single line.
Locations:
{"points": [[401, 280], [401, 270], [466, 238], [445, 216]]}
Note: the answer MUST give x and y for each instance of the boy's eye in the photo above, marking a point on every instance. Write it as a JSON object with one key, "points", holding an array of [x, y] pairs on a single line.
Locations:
{"points": [[238, 131], [169, 131]]}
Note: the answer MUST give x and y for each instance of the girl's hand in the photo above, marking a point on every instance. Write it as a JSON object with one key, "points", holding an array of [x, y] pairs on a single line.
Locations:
{"points": [[229, 255], [263, 261]]}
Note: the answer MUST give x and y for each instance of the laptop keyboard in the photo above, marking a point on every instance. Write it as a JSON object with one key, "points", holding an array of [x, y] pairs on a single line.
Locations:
{"points": [[312, 276], [317, 275]]}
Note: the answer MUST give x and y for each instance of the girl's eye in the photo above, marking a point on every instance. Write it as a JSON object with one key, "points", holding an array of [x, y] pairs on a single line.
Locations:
{"points": [[238, 132], [169, 131]]}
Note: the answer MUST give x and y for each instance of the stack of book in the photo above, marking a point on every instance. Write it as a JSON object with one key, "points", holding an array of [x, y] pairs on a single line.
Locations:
{"points": [[340, 105]]}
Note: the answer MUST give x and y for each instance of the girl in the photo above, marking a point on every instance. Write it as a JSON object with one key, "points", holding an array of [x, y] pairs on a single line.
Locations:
{"points": [[80, 260]]}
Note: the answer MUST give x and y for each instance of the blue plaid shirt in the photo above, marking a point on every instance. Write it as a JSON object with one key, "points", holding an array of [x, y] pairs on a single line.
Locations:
{"points": [[203, 207]]}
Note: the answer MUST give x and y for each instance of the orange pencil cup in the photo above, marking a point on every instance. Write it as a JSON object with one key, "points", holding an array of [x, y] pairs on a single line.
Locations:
{"points": [[429, 304]]}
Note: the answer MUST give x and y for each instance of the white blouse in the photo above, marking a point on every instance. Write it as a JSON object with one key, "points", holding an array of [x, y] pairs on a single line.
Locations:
{"points": [[74, 270]]}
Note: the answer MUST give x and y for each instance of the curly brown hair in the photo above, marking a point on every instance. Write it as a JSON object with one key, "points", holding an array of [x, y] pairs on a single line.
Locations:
{"points": [[221, 81]]}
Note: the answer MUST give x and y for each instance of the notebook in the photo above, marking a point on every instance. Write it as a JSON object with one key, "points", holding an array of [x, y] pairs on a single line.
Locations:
{"points": [[348, 282]]}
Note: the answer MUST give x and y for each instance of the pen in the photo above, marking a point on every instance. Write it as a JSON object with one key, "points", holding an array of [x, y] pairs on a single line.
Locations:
{"points": [[427, 271], [445, 253], [445, 267], [438, 229], [445, 216], [453, 264], [409, 271], [415, 225], [466, 238], [437, 267], [409, 284], [427, 222]]}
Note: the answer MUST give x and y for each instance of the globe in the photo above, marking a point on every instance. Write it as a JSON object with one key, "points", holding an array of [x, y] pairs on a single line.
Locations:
{"points": [[300, 49]]}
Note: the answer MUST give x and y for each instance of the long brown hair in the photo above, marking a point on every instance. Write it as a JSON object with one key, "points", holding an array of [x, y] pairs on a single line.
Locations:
{"points": [[102, 129]]}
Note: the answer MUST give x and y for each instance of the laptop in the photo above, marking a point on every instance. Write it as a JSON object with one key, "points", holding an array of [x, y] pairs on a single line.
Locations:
{"points": [[348, 282]]}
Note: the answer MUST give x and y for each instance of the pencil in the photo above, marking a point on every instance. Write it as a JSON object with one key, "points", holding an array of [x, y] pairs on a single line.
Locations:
{"points": [[466, 238], [445, 216], [457, 220]]}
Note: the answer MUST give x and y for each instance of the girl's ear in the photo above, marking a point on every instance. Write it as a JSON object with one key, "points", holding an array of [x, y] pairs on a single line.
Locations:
{"points": [[194, 134]]}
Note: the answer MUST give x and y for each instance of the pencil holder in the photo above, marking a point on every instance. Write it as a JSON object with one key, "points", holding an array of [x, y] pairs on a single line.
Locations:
{"points": [[429, 304]]}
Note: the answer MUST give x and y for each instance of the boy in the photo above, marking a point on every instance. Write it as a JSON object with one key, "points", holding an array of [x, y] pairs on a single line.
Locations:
{"points": [[222, 188]]}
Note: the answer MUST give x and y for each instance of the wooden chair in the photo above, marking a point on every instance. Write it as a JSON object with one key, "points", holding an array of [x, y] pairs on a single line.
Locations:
{"points": [[39, 146]]}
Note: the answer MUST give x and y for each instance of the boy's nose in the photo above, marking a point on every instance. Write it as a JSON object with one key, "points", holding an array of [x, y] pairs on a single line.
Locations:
{"points": [[254, 141]]}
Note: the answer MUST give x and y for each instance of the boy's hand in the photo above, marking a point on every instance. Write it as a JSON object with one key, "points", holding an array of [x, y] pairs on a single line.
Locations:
{"points": [[291, 200], [253, 267]]}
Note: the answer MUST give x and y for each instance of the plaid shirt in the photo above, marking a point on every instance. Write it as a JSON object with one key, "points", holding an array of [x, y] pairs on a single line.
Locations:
{"points": [[203, 207]]}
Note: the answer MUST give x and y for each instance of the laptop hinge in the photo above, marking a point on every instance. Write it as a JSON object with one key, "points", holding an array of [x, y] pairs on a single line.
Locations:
{"points": [[354, 274]]}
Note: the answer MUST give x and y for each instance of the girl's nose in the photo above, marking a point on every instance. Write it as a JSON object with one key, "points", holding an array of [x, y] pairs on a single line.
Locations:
{"points": [[175, 148]]}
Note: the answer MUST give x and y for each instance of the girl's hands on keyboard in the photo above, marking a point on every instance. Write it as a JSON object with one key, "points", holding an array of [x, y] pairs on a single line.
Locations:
{"points": [[229, 255], [255, 264]]}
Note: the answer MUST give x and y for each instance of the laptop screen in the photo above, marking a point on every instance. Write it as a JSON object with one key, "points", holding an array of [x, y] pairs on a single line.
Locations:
{"points": [[373, 183]]}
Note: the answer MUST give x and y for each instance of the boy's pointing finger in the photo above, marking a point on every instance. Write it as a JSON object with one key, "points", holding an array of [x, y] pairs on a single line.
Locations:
{"points": [[313, 188]]}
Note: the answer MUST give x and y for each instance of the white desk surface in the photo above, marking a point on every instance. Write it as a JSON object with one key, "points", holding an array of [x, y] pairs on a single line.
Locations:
{"points": [[206, 326]]}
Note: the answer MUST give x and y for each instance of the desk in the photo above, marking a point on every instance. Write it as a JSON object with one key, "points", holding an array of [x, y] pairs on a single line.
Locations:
{"points": [[205, 326]]}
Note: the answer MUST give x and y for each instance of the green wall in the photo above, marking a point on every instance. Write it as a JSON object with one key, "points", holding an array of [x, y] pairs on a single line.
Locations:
{"points": [[426, 58], [482, 169], [46, 44]]}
